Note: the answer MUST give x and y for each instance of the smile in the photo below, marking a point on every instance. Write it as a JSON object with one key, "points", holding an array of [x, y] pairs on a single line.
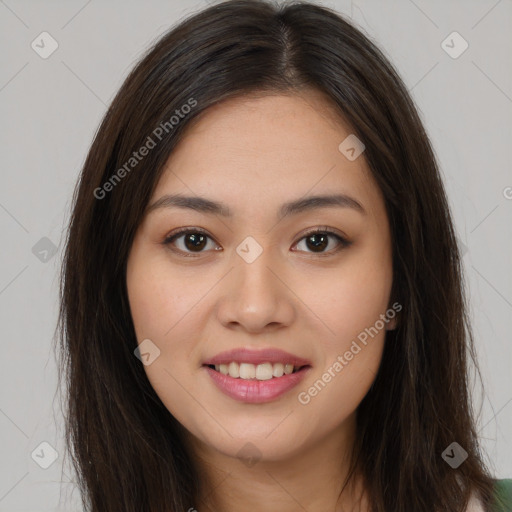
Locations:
{"points": [[256, 376], [248, 371]]}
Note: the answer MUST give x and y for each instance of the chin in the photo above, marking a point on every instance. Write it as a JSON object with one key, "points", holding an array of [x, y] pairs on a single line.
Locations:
{"points": [[258, 443]]}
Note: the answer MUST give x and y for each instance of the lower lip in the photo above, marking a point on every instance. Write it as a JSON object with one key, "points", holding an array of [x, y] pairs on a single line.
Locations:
{"points": [[256, 391]]}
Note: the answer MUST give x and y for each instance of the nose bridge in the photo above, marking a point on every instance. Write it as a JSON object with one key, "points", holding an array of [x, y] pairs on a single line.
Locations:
{"points": [[254, 257], [255, 279], [256, 294]]}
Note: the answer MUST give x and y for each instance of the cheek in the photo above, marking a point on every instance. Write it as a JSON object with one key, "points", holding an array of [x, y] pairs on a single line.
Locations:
{"points": [[160, 306], [163, 311], [348, 299], [165, 307], [334, 395], [353, 303], [158, 299], [357, 305]]}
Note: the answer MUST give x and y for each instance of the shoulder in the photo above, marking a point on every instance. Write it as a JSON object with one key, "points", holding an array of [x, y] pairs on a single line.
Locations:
{"points": [[503, 495], [502, 501]]}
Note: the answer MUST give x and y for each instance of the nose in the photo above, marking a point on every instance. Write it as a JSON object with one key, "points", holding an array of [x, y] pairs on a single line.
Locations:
{"points": [[256, 298]]}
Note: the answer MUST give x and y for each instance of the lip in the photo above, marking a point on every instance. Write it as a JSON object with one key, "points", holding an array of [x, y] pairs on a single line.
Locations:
{"points": [[252, 390], [256, 391], [268, 355]]}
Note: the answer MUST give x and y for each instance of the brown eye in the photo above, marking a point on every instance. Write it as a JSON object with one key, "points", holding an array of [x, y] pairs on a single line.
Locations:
{"points": [[318, 240], [191, 241], [194, 241]]}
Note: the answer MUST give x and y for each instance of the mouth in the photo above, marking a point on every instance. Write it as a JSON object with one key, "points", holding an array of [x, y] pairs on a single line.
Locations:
{"points": [[261, 372], [256, 376]]}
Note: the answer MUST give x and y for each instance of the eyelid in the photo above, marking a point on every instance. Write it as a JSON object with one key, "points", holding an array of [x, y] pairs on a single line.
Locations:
{"points": [[342, 239], [324, 229], [184, 231]]}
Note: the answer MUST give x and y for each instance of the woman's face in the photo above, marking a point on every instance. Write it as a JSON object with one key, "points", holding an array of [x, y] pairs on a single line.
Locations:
{"points": [[254, 290]]}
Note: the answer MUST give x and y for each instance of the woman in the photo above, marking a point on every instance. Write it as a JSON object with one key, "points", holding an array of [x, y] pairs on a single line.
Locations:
{"points": [[262, 303]]}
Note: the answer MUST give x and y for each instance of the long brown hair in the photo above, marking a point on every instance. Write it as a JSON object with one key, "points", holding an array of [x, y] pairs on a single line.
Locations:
{"points": [[126, 447]]}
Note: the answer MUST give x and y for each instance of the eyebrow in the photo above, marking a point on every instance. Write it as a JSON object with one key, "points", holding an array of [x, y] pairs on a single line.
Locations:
{"points": [[208, 206]]}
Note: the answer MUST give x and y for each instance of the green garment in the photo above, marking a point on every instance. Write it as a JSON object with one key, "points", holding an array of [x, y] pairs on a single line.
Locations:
{"points": [[503, 496]]}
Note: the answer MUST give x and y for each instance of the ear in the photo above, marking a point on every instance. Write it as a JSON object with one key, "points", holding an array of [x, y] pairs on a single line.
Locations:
{"points": [[392, 313], [391, 325]]}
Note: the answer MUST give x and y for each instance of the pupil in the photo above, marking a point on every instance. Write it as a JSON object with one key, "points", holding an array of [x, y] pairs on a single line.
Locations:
{"points": [[197, 239], [319, 244]]}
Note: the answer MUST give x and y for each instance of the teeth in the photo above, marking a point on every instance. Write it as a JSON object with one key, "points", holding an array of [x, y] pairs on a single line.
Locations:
{"points": [[264, 371], [234, 369], [278, 370], [247, 371]]}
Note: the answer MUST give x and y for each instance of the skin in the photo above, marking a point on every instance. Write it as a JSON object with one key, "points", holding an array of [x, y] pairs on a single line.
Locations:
{"points": [[253, 154]]}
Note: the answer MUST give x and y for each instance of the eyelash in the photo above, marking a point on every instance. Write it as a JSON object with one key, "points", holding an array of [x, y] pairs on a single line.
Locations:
{"points": [[343, 242]]}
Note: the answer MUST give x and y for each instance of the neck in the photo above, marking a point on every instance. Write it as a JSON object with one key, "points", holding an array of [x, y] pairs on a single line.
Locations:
{"points": [[311, 478]]}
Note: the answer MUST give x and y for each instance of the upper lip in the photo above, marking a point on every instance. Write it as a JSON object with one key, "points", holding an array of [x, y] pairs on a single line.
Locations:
{"points": [[267, 355]]}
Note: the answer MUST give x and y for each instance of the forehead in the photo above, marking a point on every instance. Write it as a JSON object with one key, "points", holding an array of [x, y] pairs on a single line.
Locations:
{"points": [[254, 150]]}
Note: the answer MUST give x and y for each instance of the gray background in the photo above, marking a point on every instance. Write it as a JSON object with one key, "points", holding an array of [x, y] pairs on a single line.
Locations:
{"points": [[50, 109]]}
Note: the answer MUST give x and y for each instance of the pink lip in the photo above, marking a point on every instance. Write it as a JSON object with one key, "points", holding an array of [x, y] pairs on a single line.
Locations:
{"points": [[252, 390], [256, 391], [269, 355]]}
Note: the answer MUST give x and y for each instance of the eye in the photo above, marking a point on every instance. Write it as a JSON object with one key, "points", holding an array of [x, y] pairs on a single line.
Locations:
{"points": [[318, 239], [196, 240]]}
